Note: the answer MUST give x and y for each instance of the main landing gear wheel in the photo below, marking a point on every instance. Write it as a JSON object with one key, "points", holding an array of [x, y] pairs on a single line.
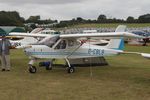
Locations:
{"points": [[71, 70], [32, 69], [48, 68]]}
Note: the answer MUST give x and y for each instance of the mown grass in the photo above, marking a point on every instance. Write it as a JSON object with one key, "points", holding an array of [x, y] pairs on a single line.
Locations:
{"points": [[126, 78], [110, 25]]}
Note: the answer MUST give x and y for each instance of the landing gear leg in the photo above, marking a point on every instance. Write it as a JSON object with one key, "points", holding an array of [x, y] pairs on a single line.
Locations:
{"points": [[50, 65], [70, 68], [32, 69]]}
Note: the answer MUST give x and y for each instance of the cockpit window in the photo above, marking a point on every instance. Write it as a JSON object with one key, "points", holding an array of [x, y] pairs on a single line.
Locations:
{"points": [[70, 43], [49, 41], [66, 43], [62, 44]]}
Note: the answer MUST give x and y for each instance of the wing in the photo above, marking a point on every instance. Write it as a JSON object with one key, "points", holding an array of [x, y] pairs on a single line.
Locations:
{"points": [[29, 34], [109, 35]]}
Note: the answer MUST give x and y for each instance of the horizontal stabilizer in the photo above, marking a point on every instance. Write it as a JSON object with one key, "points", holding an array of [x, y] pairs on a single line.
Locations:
{"points": [[146, 55]]}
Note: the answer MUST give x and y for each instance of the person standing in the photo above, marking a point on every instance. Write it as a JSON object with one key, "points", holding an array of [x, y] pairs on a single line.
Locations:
{"points": [[4, 53]]}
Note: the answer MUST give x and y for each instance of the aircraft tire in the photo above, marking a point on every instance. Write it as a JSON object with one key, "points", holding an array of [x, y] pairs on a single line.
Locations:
{"points": [[32, 69], [71, 70], [48, 67]]}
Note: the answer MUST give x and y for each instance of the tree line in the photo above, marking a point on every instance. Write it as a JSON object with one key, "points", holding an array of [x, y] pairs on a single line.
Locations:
{"points": [[13, 18], [103, 19]]}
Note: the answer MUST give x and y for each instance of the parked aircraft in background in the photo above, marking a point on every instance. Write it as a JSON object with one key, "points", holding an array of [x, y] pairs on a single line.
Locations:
{"points": [[18, 41], [44, 31], [143, 41]]}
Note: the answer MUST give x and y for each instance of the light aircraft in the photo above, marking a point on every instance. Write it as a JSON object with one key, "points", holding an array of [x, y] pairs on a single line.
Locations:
{"points": [[143, 41], [69, 46], [44, 31]]}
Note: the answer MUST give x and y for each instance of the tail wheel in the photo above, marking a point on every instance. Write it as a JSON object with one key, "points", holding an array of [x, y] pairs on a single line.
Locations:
{"points": [[71, 70], [32, 69]]}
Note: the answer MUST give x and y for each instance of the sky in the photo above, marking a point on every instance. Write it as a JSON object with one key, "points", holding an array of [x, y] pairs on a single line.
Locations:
{"points": [[69, 9]]}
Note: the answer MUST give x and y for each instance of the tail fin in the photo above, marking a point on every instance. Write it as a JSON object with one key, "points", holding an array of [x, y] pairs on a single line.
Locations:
{"points": [[121, 28], [117, 43]]}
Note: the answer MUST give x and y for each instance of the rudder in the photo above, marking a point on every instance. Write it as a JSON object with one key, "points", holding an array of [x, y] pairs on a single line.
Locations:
{"points": [[117, 43]]}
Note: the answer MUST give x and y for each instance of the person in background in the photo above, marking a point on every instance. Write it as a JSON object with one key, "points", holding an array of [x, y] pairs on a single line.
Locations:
{"points": [[4, 53]]}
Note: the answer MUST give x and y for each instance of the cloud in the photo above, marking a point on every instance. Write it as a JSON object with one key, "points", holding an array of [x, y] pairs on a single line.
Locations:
{"points": [[47, 2], [68, 9]]}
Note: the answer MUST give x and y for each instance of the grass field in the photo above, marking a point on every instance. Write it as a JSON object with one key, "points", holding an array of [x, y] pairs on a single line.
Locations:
{"points": [[110, 25], [126, 78]]}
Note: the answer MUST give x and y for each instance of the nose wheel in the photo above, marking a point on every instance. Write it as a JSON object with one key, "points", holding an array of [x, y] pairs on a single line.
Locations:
{"points": [[32, 69], [71, 69]]}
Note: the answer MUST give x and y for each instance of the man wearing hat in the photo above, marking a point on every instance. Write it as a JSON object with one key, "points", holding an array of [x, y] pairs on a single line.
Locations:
{"points": [[4, 53]]}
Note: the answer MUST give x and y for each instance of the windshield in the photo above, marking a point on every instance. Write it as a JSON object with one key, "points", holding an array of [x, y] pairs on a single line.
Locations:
{"points": [[49, 41]]}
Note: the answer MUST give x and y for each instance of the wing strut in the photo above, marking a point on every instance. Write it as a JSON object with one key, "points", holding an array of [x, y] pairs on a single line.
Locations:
{"points": [[75, 49]]}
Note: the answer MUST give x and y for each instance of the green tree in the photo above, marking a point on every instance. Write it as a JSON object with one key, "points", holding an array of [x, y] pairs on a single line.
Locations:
{"points": [[10, 18], [33, 19], [144, 18], [102, 18], [79, 19], [130, 19]]}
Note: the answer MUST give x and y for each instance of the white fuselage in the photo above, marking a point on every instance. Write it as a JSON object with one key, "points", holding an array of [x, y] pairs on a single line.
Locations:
{"points": [[84, 51]]}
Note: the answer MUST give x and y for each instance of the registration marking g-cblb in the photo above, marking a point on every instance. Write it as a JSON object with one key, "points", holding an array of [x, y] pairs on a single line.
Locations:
{"points": [[99, 52]]}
